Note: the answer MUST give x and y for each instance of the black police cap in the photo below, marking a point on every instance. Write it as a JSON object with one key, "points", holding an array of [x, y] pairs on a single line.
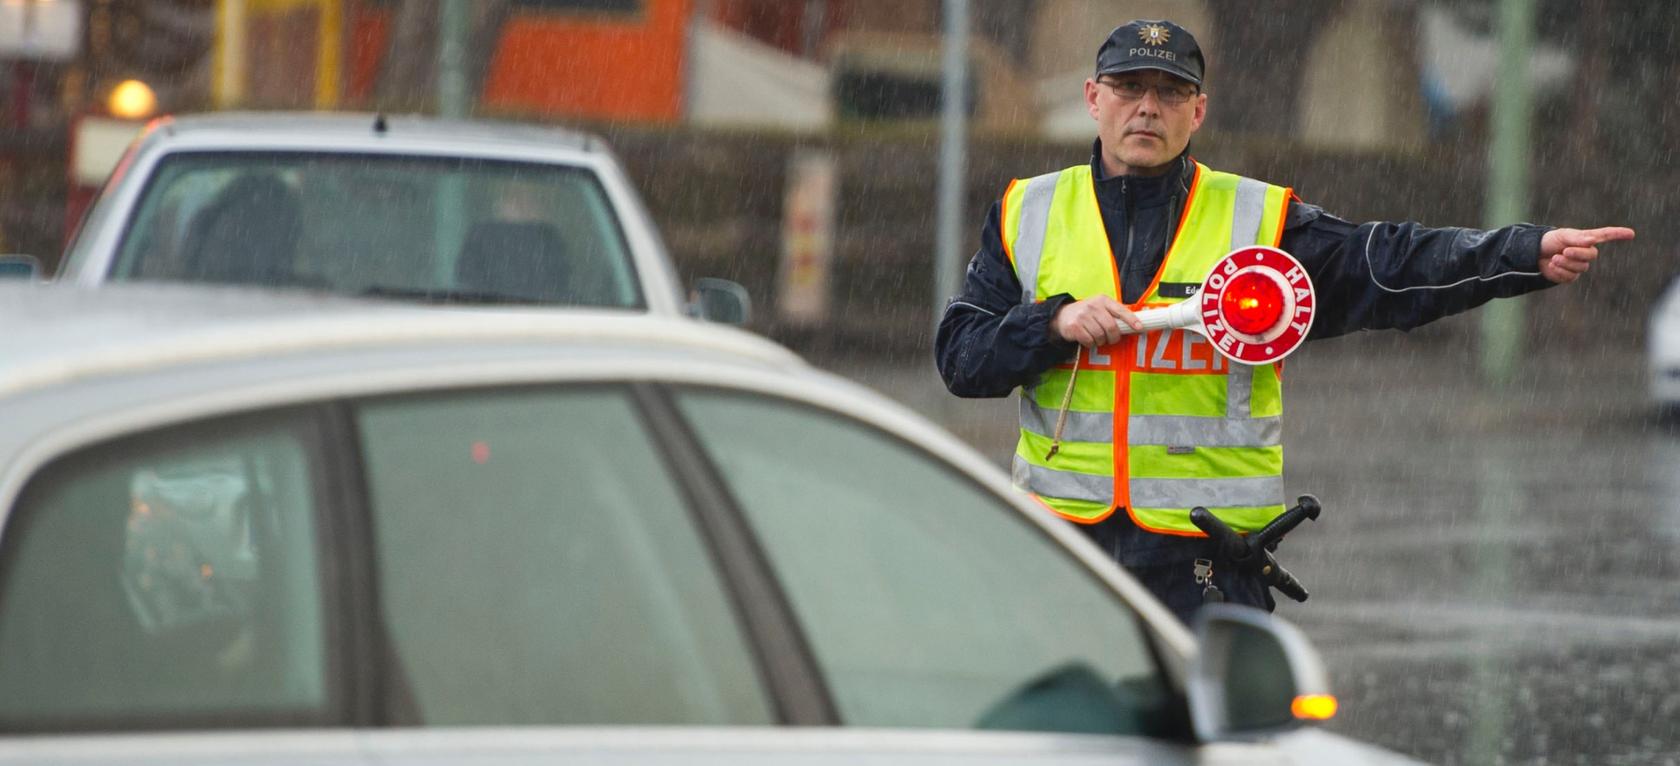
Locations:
{"points": [[1145, 44]]}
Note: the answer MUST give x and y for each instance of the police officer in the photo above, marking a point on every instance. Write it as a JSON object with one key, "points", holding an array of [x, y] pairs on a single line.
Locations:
{"points": [[1158, 423]]}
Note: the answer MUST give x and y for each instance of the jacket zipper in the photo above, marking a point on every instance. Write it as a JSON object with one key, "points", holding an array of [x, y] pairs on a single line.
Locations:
{"points": [[1126, 259]]}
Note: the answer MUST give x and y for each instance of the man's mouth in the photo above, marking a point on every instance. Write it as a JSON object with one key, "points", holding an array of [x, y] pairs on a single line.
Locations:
{"points": [[1143, 132]]}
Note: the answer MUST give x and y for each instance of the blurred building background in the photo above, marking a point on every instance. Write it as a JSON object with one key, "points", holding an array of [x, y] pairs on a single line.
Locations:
{"points": [[723, 110]]}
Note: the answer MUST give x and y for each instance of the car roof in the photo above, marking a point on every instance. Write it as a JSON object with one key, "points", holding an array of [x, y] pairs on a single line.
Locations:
{"points": [[63, 333], [358, 129]]}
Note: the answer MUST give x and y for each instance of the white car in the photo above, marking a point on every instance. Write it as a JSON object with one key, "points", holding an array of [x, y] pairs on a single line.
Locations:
{"points": [[406, 207], [1662, 350], [247, 527]]}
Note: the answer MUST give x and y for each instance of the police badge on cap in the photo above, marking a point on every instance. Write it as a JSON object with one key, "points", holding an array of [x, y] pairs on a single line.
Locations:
{"points": [[1144, 44]]}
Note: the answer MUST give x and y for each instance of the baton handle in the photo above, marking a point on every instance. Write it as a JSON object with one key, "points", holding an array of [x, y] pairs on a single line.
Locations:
{"points": [[1280, 578], [1179, 315], [1229, 544], [1306, 507], [1252, 554]]}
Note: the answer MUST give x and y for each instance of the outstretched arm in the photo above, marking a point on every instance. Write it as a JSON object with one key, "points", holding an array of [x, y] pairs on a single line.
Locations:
{"points": [[1377, 276]]}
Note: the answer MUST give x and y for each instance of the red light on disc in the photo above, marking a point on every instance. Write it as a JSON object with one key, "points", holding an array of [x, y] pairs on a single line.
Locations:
{"points": [[1252, 303], [481, 452]]}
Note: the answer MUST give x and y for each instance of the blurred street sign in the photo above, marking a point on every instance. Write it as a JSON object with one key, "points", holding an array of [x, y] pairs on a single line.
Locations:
{"points": [[807, 238], [96, 144], [49, 30]]}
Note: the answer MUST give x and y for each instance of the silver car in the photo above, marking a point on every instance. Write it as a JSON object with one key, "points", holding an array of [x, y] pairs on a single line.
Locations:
{"points": [[245, 527], [1662, 352], [406, 207]]}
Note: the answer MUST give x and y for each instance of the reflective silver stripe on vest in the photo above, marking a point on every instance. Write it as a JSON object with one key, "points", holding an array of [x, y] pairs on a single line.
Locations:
{"points": [[1214, 493], [1250, 207], [1080, 427], [1175, 431], [1239, 390], [1050, 482], [1029, 238]]}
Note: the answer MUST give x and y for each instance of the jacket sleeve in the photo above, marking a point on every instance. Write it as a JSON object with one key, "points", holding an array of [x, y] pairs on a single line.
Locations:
{"points": [[989, 342], [1378, 276]]}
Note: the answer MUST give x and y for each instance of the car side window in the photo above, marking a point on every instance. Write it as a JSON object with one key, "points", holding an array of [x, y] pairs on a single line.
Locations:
{"points": [[537, 565], [168, 580], [927, 600]]}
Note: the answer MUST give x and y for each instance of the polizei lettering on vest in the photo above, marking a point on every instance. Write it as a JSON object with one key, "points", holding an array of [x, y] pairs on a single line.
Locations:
{"points": [[1176, 351]]}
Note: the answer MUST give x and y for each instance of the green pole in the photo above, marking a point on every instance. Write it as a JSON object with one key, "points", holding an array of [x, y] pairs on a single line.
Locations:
{"points": [[453, 28], [1507, 187], [1502, 340], [450, 223]]}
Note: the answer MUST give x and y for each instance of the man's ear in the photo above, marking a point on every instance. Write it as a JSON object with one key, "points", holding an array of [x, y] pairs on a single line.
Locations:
{"points": [[1091, 97], [1201, 112]]}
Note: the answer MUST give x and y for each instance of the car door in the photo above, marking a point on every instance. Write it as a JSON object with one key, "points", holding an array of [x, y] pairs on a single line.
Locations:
{"points": [[927, 601], [546, 558]]}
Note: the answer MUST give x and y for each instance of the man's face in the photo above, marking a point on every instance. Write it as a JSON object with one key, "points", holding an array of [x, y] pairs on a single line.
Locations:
{"points": [[1142, 129]]}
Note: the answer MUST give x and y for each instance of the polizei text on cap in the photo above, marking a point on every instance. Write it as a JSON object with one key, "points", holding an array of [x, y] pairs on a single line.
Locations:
{"points": [[1155, 53]]}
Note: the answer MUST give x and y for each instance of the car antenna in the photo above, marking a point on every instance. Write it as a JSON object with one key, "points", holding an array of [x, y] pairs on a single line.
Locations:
{"points": [[379, 123]]}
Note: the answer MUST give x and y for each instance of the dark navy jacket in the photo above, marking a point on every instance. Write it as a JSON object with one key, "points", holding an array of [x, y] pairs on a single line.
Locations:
{"points": [[1369, 276]]}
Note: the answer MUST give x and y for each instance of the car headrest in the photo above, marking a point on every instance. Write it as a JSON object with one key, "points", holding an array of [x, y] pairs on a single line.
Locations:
{"points": [[517, 259]]}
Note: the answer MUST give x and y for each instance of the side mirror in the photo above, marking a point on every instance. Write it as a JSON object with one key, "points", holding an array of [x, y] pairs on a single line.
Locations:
{"points": [[26, 267], [1254, 675], [720, 300]]}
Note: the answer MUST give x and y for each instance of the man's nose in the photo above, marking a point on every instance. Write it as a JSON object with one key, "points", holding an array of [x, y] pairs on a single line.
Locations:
{"points": [[1150, 103]]}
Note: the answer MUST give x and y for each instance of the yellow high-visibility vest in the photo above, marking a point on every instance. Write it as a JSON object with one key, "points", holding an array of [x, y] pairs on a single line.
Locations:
{"points": [[1159, 423]]}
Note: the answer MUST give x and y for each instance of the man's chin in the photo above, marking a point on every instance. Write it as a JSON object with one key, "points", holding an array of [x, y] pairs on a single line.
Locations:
{"points": [[1143, 160]]}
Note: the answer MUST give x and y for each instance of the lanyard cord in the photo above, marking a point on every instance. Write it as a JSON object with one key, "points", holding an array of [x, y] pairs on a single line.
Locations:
{"points": [[1061, 415]]}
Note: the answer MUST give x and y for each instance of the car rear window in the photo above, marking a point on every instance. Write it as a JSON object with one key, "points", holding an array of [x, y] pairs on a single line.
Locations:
{"points": [[171, 580], [448, 230]]}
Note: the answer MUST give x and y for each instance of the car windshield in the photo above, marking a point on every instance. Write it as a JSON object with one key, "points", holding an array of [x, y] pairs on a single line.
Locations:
{"points": [[448, 230]]}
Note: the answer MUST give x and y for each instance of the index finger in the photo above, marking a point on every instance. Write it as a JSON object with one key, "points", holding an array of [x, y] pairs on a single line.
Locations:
{"points": [[1124, 315], [1604, 234]]}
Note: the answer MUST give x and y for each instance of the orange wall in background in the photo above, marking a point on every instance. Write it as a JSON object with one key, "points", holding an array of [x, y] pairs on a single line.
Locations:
{"points": [[593, 65], [364, 42], [590, 65]]}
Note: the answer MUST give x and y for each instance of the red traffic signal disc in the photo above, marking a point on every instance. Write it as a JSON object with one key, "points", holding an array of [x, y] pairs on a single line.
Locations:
{"points": [[1257, 305]]}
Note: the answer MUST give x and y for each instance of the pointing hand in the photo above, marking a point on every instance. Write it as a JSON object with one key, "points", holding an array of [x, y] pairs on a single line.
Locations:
{"points": [[1566, 254]]}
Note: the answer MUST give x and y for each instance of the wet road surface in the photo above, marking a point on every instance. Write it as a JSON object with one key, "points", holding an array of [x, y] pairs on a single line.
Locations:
{"points": [[1496, 577]]}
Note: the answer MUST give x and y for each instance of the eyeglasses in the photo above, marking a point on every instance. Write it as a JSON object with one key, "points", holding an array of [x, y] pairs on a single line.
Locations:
{"points": [[1131, 91]]}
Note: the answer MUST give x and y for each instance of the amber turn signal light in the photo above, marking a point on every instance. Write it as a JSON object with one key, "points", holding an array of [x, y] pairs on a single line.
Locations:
{"points": [[1314, 707]]}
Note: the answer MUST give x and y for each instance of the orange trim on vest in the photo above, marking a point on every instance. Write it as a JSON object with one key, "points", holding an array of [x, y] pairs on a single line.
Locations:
{"points": [[1122, 382], [1178, 233], [1155, 531], [1122, 387], [1075, 519], [1003, 215], [1283, 216], [1123, 377], [1035, 498], [1277, 242]]}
